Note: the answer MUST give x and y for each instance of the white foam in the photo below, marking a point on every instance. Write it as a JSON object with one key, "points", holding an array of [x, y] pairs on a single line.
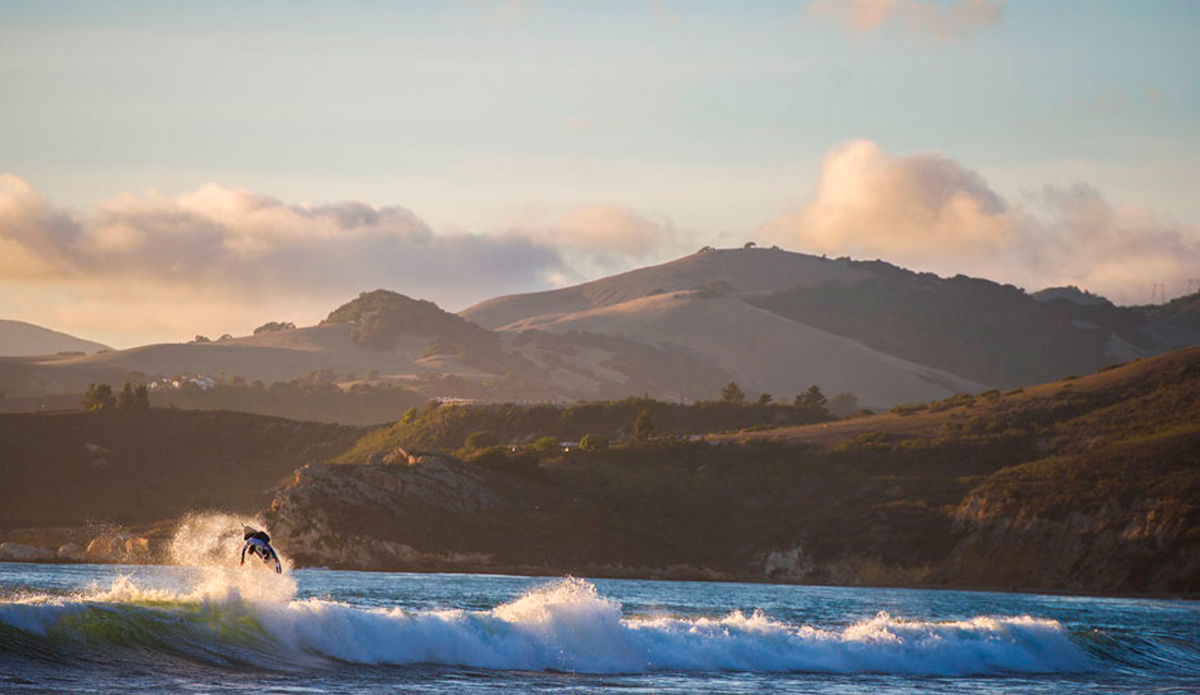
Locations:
{"points": [[567, 626]]}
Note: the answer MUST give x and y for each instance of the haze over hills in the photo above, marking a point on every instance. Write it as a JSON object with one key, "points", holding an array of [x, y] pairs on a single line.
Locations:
{"points": [[774, 321], [19, 338]]}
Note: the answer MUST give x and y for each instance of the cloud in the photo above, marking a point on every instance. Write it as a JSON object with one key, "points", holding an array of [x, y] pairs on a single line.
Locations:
{"points": [[928, 212], [247, 242], [223, 247], [218, 259], [940, 21], [603, 238]]}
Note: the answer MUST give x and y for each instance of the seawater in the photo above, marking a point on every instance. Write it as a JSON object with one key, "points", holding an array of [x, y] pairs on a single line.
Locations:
{"points": [[123, 629]]}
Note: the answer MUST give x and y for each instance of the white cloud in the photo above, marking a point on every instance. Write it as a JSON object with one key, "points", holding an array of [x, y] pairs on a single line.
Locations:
{"points": [[925, 18], [604, 238], [928, 212], [218, 251], [217, 259]]}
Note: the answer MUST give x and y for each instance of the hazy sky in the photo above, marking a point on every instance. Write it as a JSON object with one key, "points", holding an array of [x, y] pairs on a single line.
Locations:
{"points": [[181, 168]]}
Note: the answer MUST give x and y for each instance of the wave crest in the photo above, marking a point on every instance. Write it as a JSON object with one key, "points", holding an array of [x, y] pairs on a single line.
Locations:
{"points": [[251, 618]]}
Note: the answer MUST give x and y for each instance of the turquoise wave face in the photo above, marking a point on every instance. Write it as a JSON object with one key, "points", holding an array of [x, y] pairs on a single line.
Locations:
{"points": [[211, 626], [565, 625]]}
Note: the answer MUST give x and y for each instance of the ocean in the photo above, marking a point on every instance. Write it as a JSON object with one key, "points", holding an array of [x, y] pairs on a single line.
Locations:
{"points": [[160, 629]]}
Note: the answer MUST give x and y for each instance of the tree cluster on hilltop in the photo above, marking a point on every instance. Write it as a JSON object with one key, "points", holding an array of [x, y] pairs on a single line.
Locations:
{"points": [[100, 397], [274, 327], [1182, 312], [380, 316]]}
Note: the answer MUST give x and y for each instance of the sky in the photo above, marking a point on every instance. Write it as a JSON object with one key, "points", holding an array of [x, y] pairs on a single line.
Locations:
{"points": [[173, 169]]}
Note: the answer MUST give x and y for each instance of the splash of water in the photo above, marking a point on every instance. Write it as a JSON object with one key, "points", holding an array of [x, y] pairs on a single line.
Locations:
{"points": [[212, 542]]}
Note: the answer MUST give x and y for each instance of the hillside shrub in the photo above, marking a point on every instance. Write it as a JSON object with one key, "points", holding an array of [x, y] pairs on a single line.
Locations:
{"points": [[593, 443], [481, 440]]}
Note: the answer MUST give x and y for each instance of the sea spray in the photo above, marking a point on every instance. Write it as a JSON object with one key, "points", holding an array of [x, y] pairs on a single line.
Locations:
{"points": [[212, 543]]}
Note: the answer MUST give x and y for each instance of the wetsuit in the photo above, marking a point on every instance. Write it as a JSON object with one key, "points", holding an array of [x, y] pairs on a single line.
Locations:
{"points": [[258, 546]]}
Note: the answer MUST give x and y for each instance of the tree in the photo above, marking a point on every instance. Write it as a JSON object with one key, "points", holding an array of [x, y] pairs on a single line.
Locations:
{"points": [[410, 415], [99, 397], [593, 442], [764, 399], [842, 405], [812, 400], [273, 326], [201, 339], [225, 336], [749, 245], [546, 445], [126, 399], [134, 398], [643, 427], [141, 397], [733, 394]]}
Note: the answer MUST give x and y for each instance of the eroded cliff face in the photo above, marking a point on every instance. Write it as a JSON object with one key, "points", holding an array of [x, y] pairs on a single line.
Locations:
{"points": [[358, 516], [1142, 545]]}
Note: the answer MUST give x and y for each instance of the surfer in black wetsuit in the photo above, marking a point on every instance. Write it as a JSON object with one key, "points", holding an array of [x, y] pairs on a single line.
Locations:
{"points": [[259, 543]]}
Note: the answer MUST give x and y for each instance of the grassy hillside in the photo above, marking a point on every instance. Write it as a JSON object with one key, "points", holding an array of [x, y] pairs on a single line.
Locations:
{"points": [[446, 428], [742, 270], [995, 334], [136, 468], [761, 350]]}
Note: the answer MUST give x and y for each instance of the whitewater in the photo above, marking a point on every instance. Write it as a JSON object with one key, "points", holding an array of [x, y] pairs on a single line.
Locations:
{"points": [[211, 625]]}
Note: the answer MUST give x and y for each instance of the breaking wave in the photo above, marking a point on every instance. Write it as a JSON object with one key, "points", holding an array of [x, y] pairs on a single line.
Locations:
{"points": [[252, 619]]}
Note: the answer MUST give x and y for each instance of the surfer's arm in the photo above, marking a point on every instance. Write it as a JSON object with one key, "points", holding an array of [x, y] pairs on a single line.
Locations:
{"points": [[244, 552]]}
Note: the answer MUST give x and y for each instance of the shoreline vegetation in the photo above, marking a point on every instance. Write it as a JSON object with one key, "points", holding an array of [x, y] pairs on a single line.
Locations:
{"points": [[1086, 485]]}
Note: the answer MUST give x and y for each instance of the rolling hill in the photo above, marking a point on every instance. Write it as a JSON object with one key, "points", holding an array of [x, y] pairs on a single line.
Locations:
{"points": [[759, 350], [774, 321], [744, 270], [18, 338]]}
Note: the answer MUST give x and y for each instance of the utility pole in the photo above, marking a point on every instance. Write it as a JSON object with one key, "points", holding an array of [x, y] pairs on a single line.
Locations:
{"points": [[1158, 291]]}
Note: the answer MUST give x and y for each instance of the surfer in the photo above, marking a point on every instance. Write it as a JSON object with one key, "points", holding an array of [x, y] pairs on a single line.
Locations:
{"points": [[259, 543]]}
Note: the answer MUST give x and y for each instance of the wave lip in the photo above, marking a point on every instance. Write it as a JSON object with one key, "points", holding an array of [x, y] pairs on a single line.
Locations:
{"points": [[564, 626]]}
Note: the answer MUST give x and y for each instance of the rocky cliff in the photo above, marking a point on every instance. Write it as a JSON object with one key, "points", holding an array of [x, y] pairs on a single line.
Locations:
{"points": [[362, 516]]}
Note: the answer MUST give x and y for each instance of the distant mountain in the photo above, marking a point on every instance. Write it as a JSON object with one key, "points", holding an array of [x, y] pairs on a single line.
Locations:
{"points": [[992, 333], [742, 270], [773, 321], [269, 357], [19, 338], [950, 333], [761, 351]]}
